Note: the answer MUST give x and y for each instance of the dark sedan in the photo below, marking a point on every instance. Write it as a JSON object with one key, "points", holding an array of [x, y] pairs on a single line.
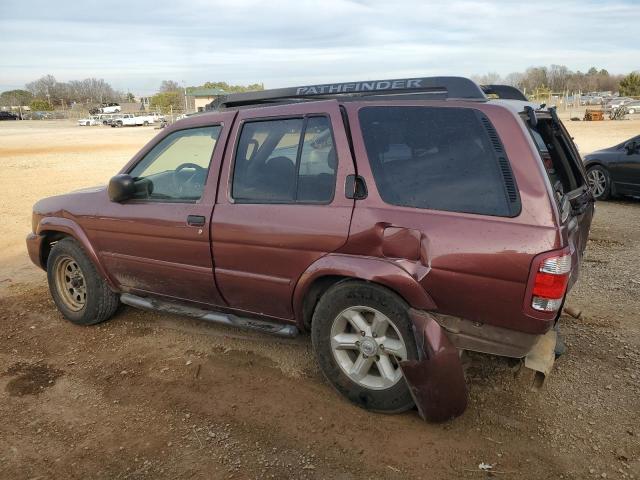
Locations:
{"points": [[8, 116], [615, 170]]}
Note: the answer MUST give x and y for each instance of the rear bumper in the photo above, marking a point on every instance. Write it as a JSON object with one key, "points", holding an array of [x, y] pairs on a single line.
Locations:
{"points": [[34, 247], [484, 338], [436, 379]]}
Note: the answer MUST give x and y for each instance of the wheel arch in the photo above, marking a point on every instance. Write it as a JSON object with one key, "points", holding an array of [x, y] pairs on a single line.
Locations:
{"points": [[54, 229], [335, 268]]}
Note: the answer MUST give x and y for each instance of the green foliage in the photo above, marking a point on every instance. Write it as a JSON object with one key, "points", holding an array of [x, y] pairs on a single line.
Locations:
{"points": [[630, 85], [167, 100], [254, 87], [15, 98], [40, 105], [130, 97]]}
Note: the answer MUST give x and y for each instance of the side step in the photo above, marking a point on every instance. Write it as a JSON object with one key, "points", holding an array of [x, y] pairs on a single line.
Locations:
{"points": [[265, 326]]}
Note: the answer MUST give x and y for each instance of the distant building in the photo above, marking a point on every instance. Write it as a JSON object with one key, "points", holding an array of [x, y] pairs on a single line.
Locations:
{"points": [[199, 98]]}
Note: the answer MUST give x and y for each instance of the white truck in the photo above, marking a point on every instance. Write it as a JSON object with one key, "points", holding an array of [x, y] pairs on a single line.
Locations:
{"points": [[131, 120]]}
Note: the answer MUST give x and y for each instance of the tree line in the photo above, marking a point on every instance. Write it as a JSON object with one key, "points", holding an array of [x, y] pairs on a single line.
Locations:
{"points": [[560, 79], [47, 93]]}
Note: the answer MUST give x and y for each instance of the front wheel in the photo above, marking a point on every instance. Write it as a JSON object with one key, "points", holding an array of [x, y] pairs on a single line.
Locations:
{"points": [[360, 333], [78, 290], [599, 182]]}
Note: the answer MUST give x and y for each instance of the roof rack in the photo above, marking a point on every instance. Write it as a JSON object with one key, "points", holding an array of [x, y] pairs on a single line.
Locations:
{"points": [[506, 92], [449, 87]]}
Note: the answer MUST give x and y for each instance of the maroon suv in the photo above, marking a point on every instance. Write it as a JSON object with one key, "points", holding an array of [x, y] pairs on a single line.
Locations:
{"points": [[399, 221]]}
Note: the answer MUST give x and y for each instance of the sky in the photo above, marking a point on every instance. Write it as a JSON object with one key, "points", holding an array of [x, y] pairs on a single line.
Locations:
{"points": [[136, 44]]}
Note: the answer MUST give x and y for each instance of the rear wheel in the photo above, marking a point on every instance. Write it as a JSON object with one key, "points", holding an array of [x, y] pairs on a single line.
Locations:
{"points": [[599, 182], [77, 288], [360, 334]]}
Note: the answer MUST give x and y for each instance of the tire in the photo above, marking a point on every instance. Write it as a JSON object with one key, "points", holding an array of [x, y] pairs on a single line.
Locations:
{"points": [[375, 391], [600, 182], [78, 290], [146, 124]]}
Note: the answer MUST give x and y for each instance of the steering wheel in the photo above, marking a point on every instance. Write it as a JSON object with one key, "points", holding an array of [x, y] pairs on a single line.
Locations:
{"points": [[179, 184]]}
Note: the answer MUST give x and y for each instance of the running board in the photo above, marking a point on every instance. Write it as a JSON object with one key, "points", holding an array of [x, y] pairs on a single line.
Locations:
{"points": [[265, 326]]}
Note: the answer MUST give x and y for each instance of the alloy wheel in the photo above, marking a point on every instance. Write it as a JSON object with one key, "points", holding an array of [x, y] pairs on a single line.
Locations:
{"points": [[597, 181], [368, 347]]}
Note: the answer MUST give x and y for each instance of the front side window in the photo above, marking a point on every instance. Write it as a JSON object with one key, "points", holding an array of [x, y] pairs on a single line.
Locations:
{"points": [[434, 158], [285, 161], [177, 167]]}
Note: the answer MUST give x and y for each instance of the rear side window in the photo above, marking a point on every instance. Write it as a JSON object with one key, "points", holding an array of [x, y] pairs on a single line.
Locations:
{"points": [[285, 161], [448, 159]]}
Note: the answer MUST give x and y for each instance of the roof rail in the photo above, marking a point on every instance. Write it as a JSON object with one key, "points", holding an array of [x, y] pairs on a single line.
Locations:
{"points": [[506, 92], [450, 87]]}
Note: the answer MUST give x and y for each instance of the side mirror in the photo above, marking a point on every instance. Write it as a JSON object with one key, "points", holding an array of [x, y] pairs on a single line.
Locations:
{"points": [[631, 147], [121, 187]]}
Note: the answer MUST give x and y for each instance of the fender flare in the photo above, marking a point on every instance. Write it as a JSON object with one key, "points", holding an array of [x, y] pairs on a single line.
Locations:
{"points": [[71, 228], [372, 269]]}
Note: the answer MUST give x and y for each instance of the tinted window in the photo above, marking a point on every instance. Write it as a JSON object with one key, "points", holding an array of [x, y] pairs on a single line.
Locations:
{"points": [[285, 161], [436, 158], [178, 165]]}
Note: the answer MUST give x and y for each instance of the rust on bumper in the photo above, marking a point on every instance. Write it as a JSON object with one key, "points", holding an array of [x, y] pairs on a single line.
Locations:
{"points": [[436, 379], [34, 247]]}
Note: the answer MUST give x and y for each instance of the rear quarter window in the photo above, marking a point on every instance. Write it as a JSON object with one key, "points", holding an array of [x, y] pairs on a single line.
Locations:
{"points": [[439, 158]]}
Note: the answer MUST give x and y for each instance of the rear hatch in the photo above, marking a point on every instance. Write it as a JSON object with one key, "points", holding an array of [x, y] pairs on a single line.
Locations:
{"points": [[567, 178]]}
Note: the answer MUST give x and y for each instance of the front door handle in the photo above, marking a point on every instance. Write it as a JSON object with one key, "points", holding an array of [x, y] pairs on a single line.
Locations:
{"points": [[196, 220]]}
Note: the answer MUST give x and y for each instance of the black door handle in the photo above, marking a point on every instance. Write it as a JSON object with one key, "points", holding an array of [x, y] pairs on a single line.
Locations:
{"points": [[196, 220]]}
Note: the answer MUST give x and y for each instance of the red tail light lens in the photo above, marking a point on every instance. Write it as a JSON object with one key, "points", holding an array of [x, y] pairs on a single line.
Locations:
{"points": [[550, 283]]}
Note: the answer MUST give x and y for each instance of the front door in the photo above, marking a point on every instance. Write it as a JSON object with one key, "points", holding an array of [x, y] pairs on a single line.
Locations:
{"points": [[159, 243], [281, 203]]}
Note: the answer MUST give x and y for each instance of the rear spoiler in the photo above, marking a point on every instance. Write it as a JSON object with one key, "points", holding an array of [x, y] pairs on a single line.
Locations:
{"points": [[505, 92]]}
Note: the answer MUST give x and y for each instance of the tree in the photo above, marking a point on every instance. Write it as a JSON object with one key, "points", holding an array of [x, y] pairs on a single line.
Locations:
{"points": [[169, 86], [233, 88], [130, 97], [40, 105], [46, 85], [166, 101], [630, 85], [490, 78], [15, 98]]}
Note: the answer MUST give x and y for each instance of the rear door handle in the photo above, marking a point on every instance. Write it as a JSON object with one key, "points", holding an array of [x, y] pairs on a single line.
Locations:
{"points": [[196, 220]]}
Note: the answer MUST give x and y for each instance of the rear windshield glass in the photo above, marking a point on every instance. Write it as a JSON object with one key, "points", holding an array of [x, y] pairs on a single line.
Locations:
{"points": [[558, 159], [436, 158]]}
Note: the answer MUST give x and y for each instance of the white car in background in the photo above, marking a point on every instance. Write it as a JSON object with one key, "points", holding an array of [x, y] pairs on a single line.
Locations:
{"points": [[633, 107], [131, 120], [89, 121]]}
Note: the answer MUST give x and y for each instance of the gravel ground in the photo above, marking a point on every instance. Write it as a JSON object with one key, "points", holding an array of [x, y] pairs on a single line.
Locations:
{"points": [[157, 396]]}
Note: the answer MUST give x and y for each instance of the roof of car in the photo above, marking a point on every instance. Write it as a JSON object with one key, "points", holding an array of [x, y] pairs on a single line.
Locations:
{"points": [[420, 88]]}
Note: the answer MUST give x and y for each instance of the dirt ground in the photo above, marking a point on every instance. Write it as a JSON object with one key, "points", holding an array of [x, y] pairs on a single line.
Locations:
{"points": [[156, 396]]}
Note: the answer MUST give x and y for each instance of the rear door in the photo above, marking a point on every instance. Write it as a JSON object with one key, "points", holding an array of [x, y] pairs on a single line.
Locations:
{"points": [[566, 174], [281, 203]]}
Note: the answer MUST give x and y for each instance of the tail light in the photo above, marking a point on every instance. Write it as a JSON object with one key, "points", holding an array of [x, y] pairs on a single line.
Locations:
{"points": [[550, 282]]}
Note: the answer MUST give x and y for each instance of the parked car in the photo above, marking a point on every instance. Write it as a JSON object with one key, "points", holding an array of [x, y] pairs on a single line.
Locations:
{"points": [[131, 120], [8, 116], [90, 121], [108, 118], [397, 228], [633, 107], [615, 170], [106, 108], [617, 102]]}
